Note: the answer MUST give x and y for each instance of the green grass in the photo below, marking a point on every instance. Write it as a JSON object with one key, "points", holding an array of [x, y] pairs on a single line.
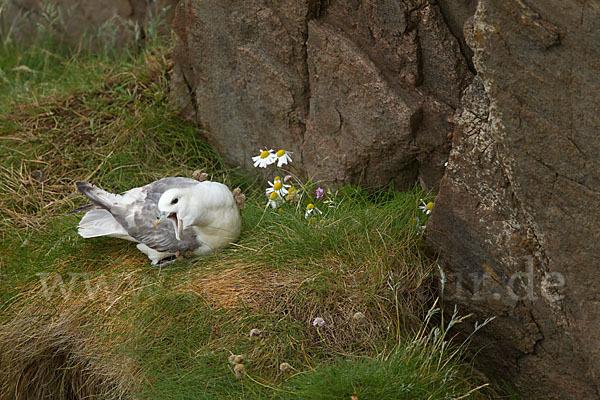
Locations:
{"points": [[167, 333]]}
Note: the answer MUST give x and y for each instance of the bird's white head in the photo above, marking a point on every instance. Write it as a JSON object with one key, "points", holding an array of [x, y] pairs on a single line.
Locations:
{"points": [[179, 206]]}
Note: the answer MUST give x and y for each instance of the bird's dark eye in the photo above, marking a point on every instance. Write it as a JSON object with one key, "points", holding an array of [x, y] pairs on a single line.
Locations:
{"points": [[174, 201]]}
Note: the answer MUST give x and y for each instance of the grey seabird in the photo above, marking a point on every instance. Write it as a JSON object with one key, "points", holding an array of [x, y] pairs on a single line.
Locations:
{"points": [[204, 216]]}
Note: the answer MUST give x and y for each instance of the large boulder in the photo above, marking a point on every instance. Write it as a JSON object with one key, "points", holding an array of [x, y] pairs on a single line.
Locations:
{"points": [[518, 212], [360, 91]]}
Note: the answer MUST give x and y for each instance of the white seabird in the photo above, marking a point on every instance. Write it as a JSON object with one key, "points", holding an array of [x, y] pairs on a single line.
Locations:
{"points": [[204, 216]]}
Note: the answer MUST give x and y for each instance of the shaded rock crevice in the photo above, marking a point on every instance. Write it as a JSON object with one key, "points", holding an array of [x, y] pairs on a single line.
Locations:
{"points": [[456, 14]]}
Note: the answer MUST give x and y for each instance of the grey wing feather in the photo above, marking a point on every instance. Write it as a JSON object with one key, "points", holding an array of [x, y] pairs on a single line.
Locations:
{"points": [[138, 217], [161, 238]]}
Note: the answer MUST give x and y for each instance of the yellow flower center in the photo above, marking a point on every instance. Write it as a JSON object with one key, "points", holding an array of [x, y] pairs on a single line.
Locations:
{"points": [[430, 205], [292, 189], [310, 206], [276, 179], [278, 185], [264, 154], [273, 196], [280, 153]]}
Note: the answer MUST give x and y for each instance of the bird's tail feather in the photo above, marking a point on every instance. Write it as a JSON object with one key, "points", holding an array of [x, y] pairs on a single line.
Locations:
{"points": [[100, 197], [99, 222]]}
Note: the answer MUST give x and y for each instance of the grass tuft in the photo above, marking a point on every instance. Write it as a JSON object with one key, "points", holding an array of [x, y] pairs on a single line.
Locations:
{"points": [[48, 353]]}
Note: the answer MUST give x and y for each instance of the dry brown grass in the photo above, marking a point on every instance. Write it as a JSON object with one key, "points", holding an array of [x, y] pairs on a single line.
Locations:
{"points": [[60, 139], [290, 294], [40, 179], [240, 285]]}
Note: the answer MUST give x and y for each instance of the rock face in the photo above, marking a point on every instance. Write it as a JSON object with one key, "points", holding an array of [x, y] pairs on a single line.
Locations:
{"points": [[517, 216], [71, 20], [360, 91]]}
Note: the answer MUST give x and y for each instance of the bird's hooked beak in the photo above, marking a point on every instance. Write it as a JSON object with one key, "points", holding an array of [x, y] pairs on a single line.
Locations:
{"points": [[177, 223]]}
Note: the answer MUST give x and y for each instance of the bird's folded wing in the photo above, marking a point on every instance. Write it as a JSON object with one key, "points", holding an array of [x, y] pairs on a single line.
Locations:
{"points": [[139, 209]]}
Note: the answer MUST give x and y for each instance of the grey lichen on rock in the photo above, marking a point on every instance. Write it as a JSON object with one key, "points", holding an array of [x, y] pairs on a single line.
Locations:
{"points": [[516, 219]]}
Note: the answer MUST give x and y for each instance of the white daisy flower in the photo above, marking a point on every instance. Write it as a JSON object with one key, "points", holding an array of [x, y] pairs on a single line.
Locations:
{"points": [[279, 187], [266, 157], [320, 322], [275, 199], [426, 207], [311, 209], [283, 157]]}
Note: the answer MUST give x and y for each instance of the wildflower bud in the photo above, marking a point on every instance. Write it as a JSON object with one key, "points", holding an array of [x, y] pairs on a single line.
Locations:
{"points": [[358, 316], [319, 192], [255, 332], [199, 175], [236, 359], [239, 370], [287, 178], [318, 322], [285, 367], [240, 198]]}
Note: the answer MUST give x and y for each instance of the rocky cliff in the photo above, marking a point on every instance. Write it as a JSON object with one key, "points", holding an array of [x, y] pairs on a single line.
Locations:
{"points": [[516, 218], [360, 91], [374, 92]]}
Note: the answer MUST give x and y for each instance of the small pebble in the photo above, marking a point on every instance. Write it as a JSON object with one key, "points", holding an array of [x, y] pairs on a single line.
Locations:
{"points": [[358, 316], [255, 332]]}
